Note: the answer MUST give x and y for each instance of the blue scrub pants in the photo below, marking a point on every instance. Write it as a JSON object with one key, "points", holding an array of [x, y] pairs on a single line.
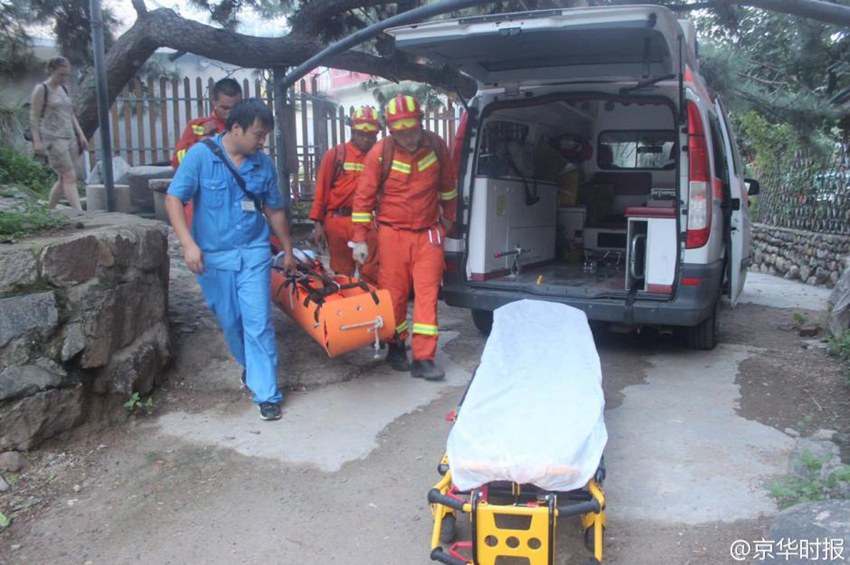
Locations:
{"points": [[241, 300]]}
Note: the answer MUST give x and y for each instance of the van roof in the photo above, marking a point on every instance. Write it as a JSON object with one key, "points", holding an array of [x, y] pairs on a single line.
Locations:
{"points": [[606, 43]]}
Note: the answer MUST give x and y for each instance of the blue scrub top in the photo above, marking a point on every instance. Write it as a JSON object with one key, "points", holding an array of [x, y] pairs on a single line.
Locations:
{"points": [[229, 236]]}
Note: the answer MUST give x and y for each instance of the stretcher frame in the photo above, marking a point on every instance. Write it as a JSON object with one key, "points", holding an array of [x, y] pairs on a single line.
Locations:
{"points": [[512, 521], [339, 312]]}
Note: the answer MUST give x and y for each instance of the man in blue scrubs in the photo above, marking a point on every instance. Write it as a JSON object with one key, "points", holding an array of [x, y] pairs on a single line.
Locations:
{"points": [[228, 245]]}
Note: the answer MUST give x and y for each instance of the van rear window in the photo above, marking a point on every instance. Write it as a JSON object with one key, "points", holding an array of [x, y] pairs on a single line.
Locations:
{"points": [[636, 149]]}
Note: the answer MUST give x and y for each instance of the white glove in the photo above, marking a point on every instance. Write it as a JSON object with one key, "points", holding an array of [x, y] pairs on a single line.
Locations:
{"points": [[359, 251]]}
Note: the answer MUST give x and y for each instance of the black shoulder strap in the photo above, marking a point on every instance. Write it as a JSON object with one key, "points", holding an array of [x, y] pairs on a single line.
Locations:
{"points": [[44, 106], [212, 146], [435, 141], [339, 164], [387, 153]]}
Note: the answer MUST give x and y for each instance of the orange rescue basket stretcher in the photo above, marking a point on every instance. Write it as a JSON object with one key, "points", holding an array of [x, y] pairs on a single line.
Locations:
{"points": [[341, 313]]}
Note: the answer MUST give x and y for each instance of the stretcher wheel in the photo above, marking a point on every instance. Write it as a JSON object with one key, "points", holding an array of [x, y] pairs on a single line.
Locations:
{"points": [[588, 540], [448, 531]]}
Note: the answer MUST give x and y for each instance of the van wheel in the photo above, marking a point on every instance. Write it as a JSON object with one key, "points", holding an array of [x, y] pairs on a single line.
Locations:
{"points": [[703, 336], [483, 320]]}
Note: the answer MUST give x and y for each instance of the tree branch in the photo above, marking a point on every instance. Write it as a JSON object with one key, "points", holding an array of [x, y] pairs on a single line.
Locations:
{"points": [[164, 28]]}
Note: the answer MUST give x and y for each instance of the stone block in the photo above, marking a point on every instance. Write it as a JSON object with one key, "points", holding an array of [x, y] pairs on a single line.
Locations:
{"points": [[140, 194], [113, 318], [18, 269], [27, 312], [17, 381], [11, 461], [811, 521], [73, 342], [96, 198], [136, 368], [28, 422], [71, 261]]}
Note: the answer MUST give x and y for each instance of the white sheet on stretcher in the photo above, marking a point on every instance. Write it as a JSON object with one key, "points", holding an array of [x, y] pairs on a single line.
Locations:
{"points": [[533, 413]]}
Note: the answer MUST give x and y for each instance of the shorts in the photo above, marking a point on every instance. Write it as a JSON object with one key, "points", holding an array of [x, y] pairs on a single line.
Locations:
{"points": [[61, 154]]}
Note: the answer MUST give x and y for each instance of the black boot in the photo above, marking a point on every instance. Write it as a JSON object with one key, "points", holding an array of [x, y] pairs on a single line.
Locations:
{"points": [[426, 369], [397, 356]]}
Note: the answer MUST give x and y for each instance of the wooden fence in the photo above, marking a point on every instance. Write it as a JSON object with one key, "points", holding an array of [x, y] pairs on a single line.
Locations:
{"points": [[148, 118]]}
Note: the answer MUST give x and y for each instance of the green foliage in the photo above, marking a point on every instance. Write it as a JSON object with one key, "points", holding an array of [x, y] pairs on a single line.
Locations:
{"points": [[799, 319], [28, 218], [811, 487], [785, 67], [840, 346], [300, 211], [135, 404], [23, 171], [5, 521]]}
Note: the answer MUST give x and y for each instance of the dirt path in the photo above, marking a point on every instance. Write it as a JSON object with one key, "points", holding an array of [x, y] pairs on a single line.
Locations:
{"points": [[343, 478]]}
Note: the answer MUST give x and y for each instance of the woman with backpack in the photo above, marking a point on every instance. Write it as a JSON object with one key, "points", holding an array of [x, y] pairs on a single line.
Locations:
{"points": [[56, 132]]}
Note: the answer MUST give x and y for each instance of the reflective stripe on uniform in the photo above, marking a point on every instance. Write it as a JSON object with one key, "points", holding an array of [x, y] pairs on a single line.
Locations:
{"points": [[199, 130], [361, 217], [181, 155], [427, 161], [400, 167], [425, 329], [448, 195], [402, 327], [355, 167]]}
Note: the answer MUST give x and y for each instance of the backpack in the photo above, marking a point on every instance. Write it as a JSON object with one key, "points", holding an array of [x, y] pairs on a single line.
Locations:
{"points": [[28, 130]]}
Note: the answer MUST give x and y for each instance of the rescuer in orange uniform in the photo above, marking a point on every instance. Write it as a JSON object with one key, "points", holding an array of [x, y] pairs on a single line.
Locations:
{"points": [[411, 185], [335, 183], [225, 94]]}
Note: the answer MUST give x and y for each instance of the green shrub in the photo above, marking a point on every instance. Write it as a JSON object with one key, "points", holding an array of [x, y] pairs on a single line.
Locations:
{"points": [[28, 218], [792, 490], [23, 171], [840, 346]]}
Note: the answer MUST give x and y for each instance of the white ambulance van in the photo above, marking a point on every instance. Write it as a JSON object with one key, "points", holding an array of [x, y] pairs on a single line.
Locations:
{"points": [[596, 169]]}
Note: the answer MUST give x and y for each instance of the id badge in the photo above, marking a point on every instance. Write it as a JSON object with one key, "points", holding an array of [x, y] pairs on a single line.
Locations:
{"points": [[248, 206]]}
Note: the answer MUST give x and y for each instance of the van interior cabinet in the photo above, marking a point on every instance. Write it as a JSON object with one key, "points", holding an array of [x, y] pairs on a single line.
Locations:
{"points": [[651, 250], [505, 221]]}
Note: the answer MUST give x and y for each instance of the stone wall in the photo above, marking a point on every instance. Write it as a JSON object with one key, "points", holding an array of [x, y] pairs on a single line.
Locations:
{"points": [[83, 324], [814, 258]]}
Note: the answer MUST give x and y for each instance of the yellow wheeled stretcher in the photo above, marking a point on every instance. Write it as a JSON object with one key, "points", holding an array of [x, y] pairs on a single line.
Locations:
{"points": [[525, 449], [340, 313]]}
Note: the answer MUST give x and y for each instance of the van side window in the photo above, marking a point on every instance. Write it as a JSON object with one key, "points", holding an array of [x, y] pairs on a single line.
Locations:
{"points": [[721, 167], [636, 149], [737, 165], [503, 151]]}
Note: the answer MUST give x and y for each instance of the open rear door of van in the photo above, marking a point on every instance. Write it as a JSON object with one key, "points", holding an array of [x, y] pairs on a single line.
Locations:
{"points": [[740, 239], [602, 44]]}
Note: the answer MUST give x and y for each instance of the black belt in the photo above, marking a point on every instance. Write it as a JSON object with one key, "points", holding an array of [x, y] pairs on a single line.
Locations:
{"points": [[340, 212], [406, 229]]}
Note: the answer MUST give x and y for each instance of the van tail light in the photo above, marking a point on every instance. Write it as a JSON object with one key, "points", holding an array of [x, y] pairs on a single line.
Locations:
{"points": [[699, 185]]}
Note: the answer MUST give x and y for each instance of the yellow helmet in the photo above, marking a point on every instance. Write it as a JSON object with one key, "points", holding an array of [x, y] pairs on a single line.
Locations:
{"points": [[365, 118], [403, 112]]}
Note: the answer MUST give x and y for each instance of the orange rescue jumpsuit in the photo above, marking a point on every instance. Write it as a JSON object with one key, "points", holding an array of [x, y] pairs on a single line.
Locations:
{"points": [[194, 132], [332, 206], [419, 188]]}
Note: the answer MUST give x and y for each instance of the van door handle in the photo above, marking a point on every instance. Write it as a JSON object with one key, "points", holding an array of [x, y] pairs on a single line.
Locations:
{"points": [[633, 256]]}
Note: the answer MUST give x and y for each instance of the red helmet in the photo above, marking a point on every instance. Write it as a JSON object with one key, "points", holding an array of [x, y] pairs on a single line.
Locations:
{"points": [[403, 112], [365, 118]]}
